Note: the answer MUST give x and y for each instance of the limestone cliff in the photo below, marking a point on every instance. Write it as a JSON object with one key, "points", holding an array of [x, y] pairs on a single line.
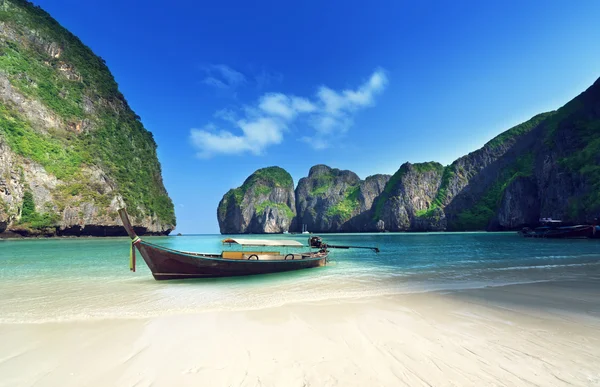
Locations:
{"points": [[407, 200], [548, 166], [567, 160], [331, 200], [265, 203], [71, 149]]}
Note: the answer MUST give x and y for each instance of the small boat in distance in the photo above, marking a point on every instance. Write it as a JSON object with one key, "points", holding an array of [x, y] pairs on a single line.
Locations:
{"points": [[305, 229], [554, 229], [264, 257]]}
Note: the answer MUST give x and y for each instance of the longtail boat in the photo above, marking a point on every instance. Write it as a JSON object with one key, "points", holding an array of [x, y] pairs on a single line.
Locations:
{"points": [[165, 263], [554, 229]]}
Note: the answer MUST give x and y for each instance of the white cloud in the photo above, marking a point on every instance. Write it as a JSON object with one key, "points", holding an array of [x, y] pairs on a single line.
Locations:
{"points": [[223, 77], [226, 115], [338, 108], [330, 114], [287, 107], [257, 134]]}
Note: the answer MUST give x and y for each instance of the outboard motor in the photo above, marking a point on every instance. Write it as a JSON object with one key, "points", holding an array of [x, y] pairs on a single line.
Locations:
{"points": [[316, 242]]}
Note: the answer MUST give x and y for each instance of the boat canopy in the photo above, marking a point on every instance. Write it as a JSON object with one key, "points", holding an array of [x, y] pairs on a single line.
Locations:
{"points": [[263, 242]]}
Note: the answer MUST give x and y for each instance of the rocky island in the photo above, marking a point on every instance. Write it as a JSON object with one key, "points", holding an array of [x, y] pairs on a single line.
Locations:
{"points": [[265, 203], [548, 166], [71, 149]]}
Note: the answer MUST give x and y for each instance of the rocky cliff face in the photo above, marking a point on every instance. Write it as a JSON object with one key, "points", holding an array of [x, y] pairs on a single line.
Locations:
{"points": [[548, 166], [519, 206], [331, 200], [264, 204], [407, 202], [551, 170], [567, 160], [71, 149]]}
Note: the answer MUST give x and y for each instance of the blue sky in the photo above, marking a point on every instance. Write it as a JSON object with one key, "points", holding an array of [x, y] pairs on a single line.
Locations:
{"points": [[228, 87]]}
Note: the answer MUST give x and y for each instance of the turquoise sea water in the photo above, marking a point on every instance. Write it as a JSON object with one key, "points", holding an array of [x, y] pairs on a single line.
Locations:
{"points": [[88, 278]]}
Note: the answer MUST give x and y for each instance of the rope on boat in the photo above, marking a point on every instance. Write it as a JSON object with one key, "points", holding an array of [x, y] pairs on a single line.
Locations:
{"points": [[135, 241]]}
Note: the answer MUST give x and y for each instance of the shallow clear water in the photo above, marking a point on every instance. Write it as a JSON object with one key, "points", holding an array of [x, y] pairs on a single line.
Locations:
{"points": [[71, 279]]}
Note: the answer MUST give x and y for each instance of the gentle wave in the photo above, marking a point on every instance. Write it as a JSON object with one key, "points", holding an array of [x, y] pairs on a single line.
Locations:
{"points": [[546, 266], [71, 280], [125, 313]]}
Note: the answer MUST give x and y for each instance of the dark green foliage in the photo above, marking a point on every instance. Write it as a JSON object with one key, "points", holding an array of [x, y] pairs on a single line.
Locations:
{"points": [[222, 209], [119, 143], [322, 184], [278, 176], [59, 157], [568, 114], [586, 163], [27, 71], [262, 182], [481, 213], [579, 121], [263, 179], [390, 186], [430, 166], [261, 191], [260, 208], [442, 193], [518, 130], [128, 151], [28, 205], [347, 206], [24, 16], [33, 219]]}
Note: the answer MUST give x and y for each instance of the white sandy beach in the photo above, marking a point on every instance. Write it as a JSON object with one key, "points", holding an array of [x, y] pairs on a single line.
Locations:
{"points": [[541, 334]]}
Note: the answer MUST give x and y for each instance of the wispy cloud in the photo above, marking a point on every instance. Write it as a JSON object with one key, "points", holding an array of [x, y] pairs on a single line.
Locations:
{"points": [[329, 114], [266, 79], [223, 77], [337, 111]]}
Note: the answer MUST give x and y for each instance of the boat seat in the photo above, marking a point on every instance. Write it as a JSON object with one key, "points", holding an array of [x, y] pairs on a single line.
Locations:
{"points": [[246, 254]]}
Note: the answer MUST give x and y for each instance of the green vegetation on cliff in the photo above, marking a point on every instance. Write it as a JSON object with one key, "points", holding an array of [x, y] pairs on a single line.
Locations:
{"points": [[322, 184], [440, 198], [579, 121], [518, 130], [267, 191], [47, 63], [57, 92], [263, 181], [57, 157], [431, 166], [33, 219], [279, 177], [390, 186], [347, 206], [478, 216], [23, 16], [261, 207]]}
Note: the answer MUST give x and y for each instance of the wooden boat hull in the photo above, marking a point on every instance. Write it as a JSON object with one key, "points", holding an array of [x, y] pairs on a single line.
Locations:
{"points": [[166, 264], [573, 232]]}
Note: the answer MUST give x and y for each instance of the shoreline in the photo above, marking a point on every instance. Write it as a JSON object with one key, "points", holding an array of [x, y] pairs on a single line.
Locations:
{"points": [[545, 333], [10, 235], [353, 298]]}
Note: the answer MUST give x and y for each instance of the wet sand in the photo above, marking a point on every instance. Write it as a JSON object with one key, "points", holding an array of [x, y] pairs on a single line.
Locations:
{"points": [[539, 334]]}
